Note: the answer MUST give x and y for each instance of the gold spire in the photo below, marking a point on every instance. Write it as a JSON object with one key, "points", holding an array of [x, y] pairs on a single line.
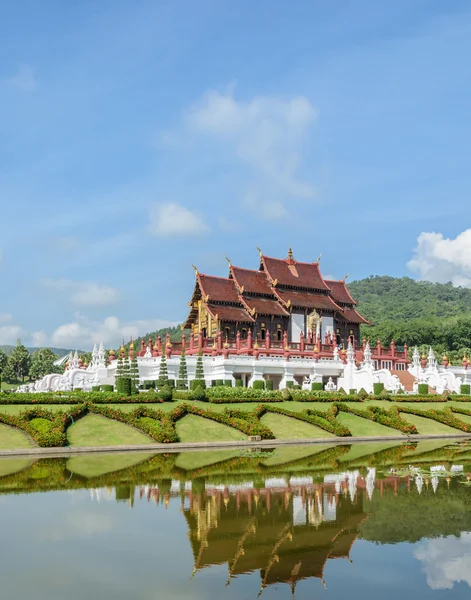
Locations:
{"points": [[228, 260], [196, 270], [260, 252], [346, 277], [319, 258], [290, 253]]}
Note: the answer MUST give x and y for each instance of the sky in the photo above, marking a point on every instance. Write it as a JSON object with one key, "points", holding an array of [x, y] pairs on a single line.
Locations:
{"points": [[139, 138]]}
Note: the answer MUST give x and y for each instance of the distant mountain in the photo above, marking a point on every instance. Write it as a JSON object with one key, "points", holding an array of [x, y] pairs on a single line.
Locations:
{"points": [[8, 349]]}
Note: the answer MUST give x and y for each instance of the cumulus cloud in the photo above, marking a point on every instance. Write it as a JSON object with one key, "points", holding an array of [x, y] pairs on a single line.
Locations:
{"points": [[24, 78], [10, 333], [266, 134], [446, 561], [84, 293], [441, 259], [172, 219], [39, 339], [83, 333]]}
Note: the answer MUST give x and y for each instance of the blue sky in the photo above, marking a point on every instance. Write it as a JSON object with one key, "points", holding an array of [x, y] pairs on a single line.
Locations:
{"points": [[137, 138]]}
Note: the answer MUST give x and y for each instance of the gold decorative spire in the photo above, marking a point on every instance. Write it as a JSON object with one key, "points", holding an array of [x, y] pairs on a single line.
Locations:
{"points": [[319, 258], [228, 260], [260, 252], [196, 270], [290, 253], [346, 276]]}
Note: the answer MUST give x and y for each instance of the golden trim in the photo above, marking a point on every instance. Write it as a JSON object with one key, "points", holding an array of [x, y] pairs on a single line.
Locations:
{"points": [[260, 252], [275, 282], [196, 270]]}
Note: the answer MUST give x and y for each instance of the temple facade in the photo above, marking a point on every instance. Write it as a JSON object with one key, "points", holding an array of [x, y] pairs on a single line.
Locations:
{"points": [[284, 300]]}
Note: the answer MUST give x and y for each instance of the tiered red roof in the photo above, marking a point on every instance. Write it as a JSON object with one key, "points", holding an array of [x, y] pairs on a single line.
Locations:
{"points": [[231, 314], [289, 272], [339, 292], [218, 289], [350, 315], [264, 306], [253, 282], [306, 300]]}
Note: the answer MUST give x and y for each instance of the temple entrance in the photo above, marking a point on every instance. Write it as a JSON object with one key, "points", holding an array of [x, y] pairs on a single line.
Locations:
{"points": [[203, 331], [263, 334], [279, 335]]}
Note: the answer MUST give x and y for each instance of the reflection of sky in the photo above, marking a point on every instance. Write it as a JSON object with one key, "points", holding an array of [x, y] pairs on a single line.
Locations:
{"points": [[61, 545]]}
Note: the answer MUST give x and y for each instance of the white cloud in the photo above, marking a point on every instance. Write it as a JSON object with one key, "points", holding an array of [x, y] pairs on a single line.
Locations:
{"points": [[83, 333], [84, 293], [10, 333], [173, 219], [39, 339], [24, 78], [446, 561], [267, 135], [441, 259]]}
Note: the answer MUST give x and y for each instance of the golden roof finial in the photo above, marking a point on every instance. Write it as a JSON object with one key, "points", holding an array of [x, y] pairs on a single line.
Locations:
{"points": [[228, 260], [319, 258], [290, 253], [346, 276], [196, 270], [260, 252]]}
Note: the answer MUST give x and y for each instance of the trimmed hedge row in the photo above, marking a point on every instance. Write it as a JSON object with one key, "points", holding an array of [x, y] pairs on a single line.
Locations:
{"points": [[444, 416], [377, 414], [325, 422]]}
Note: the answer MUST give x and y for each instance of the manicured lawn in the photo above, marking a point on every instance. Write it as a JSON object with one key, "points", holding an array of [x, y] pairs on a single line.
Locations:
{"points": [[283, 455], [195, 460], [363, 427], [96, 465], [10, 438], [95, 430], [286, 428], [425, 425], [360, 450], [13, 465], [198, 429]]}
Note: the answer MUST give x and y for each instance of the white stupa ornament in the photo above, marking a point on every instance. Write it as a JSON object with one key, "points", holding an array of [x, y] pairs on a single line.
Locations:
{"points": [[148, 353], [370, 482], [416, 357], [350, 353], [367, 355], [431, 360], [100, 357], [419, 482]]}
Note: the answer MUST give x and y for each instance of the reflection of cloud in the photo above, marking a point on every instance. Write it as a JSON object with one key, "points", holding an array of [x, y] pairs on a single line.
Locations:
{"points": [[446, 561], [78, 524]]}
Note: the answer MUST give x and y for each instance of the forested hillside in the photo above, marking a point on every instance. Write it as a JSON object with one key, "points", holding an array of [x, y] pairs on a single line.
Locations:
{"points": [[415, 312]]}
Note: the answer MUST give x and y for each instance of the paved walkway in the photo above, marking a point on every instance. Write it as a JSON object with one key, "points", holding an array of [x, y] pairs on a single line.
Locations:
{"points": [[179, 447]]}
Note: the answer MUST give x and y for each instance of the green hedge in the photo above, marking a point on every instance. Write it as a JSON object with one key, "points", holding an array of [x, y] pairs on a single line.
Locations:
{"points": [[378, 388], [269, 385], [444, 416], [465, 389], [325, 421], [124, 386], [377, 414], [317, 386], [258, 385], [194, 383], [239, 383], [422, 388]]}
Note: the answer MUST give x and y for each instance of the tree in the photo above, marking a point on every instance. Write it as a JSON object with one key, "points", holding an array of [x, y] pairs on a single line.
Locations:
{"points": [[3, 364], [20, 360], [182, 382], [8, 373], [199, 372], [163, 373], [134, 373], [42, 363]]}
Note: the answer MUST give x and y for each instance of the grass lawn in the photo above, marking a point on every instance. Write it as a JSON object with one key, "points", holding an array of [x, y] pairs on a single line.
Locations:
{"points": [[425, 425], [10, 437], [360, 450], [96, 465], [287, 454], [363, 427], [95, 430], [286, 428], [198, 429], [195, 460], [13, 465]]}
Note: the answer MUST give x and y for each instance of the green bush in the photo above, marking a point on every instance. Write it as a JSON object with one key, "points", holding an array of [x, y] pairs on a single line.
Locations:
{"points": [[352, 392], [286, 394], [124, 386], [258, 385], [217, 382], [378, 388], [342, 392], [290, 384], [384, 395], [239, 383], [182, 384], [41, 425], [198, 393], [165, 394], [171, 383], [400, 391], [465, 389], [96, 388], [317, 386], [422, 388], [363, 394], [196, 383], [269, 385], [148, 384], [228, 383], [106, 387]]}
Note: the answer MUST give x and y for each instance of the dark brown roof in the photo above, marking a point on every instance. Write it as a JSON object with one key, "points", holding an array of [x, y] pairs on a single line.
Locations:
{"points": [[350, 315], [255, 282], [218, 289], [292, 273], [230, 313], [264, 306], [339, 292], [307, 300]]}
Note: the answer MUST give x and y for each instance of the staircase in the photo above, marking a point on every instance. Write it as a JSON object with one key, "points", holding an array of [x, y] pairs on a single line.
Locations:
{"points": [[406, 379]]}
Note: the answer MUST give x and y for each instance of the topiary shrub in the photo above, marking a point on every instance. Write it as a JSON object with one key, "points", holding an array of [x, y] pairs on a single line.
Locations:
{"points": [[107, 388], [317, 386], [171, 383], [96, 388], [422, 389], [465, 389], [342, 392], [165, 394], [199, 394], [228, 383], [378, 388], [363, 394], [182, 384], [286, 394], [258, 385], [290, 385], [239, 383], [400, 391], [124, 386], [195, 383], [352, 392], [384, 395], [269, 385]]}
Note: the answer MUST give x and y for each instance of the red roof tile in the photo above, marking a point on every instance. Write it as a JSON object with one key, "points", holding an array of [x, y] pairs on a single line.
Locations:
{"points": [[230, 313], [293, 273], [307, 300], [264, 306], [339, 291], [219, 289], [255, 282], [352, 316]]}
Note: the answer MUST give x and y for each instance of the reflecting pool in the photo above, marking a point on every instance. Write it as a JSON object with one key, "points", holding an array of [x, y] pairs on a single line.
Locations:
{"points": [[360, 521]]}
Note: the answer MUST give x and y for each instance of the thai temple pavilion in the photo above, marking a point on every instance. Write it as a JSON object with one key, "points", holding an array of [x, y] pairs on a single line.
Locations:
{"points": [[283, 295]]}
